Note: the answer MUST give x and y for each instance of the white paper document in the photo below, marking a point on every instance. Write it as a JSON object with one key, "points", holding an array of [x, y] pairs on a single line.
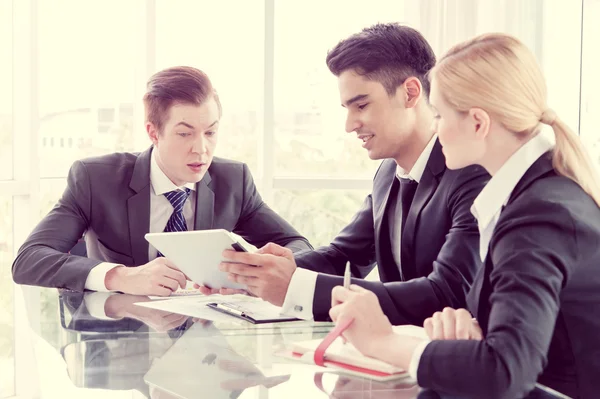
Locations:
{"points": [[191, 306], [188, 291], [196, 306]]}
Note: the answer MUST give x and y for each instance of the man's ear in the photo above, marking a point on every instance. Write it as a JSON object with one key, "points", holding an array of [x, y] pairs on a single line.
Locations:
{"points": [[413, 90], [481, 122], [152, 132]]}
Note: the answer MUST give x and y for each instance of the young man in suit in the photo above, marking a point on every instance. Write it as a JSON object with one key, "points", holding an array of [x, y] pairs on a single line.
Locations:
{"points": [[416, 225], [175, 185], [532, 314]]}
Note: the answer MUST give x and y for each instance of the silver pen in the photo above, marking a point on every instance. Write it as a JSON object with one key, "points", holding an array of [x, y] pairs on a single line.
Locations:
{"points": [[346, 286], [347, 276]]}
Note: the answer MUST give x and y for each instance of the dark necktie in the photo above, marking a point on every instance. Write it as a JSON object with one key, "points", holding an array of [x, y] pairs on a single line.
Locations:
{"points": [[408, 187], [176, 222], [401, 197]]}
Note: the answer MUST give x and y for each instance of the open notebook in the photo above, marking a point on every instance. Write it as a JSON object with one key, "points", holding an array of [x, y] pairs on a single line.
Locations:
{"points": [[332, 353]]}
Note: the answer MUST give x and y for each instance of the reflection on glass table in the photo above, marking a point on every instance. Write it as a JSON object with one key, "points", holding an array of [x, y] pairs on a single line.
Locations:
{"points": [[101, 355], [110, 343], [208, 365], [96, 313]]}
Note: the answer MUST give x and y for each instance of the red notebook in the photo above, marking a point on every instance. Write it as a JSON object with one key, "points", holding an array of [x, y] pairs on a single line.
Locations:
{"points": [[332, 353]]}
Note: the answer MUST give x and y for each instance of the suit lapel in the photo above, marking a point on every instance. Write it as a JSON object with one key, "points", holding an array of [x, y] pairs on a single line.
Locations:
{"points": [[205, 204], [138, 208], [429, 182], [382, 232]]}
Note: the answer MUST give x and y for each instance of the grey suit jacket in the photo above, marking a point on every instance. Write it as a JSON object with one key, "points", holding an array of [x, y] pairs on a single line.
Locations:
{"points": [[108, 199]]}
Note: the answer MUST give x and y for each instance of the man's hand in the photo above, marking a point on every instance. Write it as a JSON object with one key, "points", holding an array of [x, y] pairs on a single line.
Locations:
{"points": [[267, 272], [159, 277], [453, 324]]}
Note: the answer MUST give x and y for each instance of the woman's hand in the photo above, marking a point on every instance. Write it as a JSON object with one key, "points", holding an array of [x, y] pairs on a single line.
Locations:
{"points": [[370, 325], [371, 331], [453, 324]]}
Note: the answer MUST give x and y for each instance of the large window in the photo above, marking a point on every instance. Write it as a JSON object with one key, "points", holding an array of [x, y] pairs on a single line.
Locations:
{"points": [[7, 364], [309, 121], [590, 80], [86, 81], [309, 133], [79, 94], [225, 40], [318, 214], [6, 138], [6, 298]]}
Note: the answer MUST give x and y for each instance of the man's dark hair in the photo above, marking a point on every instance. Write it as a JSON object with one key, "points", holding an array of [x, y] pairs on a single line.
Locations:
{"points": [[386, 53]]}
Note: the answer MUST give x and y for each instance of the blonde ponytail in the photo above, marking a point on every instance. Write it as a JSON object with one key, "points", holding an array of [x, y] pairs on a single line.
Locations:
{"points": [[475, 74], [570, 158]]}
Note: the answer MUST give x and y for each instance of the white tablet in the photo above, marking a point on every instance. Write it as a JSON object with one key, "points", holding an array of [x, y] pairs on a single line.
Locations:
{"points": [[198, 253]]}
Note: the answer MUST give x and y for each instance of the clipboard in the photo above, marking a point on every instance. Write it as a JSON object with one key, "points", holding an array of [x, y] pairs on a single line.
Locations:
{"points": [[253, 312]]}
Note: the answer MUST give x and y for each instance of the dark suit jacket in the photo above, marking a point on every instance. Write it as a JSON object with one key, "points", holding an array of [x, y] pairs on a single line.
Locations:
{"points": [[108, 198], [439, 245], [537, 299]]}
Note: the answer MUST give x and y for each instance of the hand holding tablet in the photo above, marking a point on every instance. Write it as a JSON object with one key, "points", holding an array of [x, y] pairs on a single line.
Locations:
{"points": [[198, 254]]}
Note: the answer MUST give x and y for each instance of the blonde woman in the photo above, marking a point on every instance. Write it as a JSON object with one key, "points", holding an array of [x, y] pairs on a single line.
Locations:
{"points": [[534, 308]]}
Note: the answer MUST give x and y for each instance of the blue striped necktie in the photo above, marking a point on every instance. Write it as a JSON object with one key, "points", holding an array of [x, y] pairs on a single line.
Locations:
{"points": [[177, 199], [176, 222]]}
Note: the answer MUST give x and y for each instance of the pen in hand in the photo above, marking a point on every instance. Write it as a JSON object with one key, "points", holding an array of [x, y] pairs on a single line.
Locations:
{"points": [[346, 286], [347, 276]]}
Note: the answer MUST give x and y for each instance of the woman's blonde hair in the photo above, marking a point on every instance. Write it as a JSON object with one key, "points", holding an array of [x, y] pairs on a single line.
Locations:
{"points": [[499, 74]]}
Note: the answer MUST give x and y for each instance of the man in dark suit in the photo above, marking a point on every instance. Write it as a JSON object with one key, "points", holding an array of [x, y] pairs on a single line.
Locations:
{"points": [[175, 185], [416, 225]]}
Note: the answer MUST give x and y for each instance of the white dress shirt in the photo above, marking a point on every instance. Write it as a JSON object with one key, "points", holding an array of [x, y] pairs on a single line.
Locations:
{"points": [[160, 212], [489, 203], [301, 291]]}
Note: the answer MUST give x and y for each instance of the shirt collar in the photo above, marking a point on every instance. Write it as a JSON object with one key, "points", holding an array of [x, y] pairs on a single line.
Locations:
{"points": [[416, 173], [497, 192], [160, 182]]}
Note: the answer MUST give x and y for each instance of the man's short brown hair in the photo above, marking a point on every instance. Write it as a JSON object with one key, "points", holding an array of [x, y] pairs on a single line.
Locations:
{"points": [[176, 85]]}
